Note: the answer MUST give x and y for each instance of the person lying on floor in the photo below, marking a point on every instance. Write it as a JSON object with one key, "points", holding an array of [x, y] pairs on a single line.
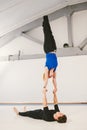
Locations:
{"points": [[45, 113]]}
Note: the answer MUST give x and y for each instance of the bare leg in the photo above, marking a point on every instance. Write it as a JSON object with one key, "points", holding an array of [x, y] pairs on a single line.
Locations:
{"points": [[15, 110]]}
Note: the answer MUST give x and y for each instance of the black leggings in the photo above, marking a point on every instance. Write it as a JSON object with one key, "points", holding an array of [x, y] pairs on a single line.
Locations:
{"points": [[49, 42], [37, 114]]}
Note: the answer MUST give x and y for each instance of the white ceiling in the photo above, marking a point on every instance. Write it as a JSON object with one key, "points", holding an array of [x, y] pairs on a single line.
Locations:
{"points": [[16, 13], [16, 16]]}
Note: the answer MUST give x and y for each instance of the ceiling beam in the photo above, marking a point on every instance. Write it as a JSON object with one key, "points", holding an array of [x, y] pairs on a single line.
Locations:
{"points": [[59, 13], [69, 29], [32, 38], [79, 7], [9, 37], [66, 11], [83, 44], [52, 16], [62, 52]]}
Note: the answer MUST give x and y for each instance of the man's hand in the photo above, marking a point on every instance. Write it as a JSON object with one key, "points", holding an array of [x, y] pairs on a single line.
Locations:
{"points": [[54, 90]]}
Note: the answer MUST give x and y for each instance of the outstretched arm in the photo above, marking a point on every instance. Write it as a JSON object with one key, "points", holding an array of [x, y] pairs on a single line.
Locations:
{"points": [[55, 100], [44, 97]]}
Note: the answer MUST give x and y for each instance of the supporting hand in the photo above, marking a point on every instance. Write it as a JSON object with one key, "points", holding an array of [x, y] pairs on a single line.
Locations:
{"points": [[55, 90], [55, 100]]}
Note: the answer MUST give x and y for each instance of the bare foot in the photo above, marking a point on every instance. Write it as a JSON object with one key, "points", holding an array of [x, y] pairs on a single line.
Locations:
{"points": [[15, 110], [24, 108]]}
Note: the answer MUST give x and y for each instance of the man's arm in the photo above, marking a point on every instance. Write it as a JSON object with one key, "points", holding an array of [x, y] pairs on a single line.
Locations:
{"points": [[55, 100], [44, 97]]}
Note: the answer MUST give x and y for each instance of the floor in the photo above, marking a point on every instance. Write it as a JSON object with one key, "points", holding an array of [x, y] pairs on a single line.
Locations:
{"points": [[77, 118]]}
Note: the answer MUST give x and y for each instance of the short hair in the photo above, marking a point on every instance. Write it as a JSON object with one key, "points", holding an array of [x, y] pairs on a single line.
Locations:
{"points": [[62, 119]]}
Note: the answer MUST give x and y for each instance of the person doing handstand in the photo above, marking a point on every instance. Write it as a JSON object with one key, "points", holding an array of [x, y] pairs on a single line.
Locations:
{"points": [[50, 51]]}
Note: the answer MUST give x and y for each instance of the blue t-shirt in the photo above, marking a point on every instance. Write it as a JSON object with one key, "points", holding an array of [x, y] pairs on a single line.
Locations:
{"points": [[51, 61]]}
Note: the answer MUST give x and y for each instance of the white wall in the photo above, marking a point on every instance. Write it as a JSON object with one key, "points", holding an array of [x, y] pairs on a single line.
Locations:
{"points": [[79, 26], [21, 81], [23, 44]]}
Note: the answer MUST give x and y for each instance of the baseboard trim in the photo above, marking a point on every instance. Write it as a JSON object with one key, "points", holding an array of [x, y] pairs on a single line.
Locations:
{"points": [[38, 103]]}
